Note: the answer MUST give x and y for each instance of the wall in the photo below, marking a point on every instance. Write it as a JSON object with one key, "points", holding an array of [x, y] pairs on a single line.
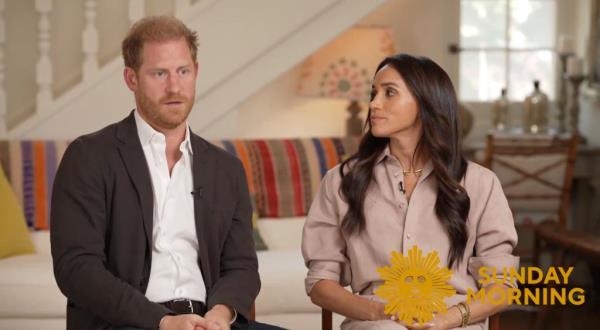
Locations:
{"points": [[420, 27], [240, 51], [424, 27], [19, 78], [67, 22]]}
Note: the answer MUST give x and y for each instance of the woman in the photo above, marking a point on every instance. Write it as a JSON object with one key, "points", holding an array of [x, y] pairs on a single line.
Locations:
{"points": [[407, 184]]}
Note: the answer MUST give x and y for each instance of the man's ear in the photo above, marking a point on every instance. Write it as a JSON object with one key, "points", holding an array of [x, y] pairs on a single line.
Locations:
{"points": [[130, 78]]}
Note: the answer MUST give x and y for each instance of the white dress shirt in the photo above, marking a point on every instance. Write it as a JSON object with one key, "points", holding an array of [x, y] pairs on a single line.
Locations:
{"points": [[174, 272]]}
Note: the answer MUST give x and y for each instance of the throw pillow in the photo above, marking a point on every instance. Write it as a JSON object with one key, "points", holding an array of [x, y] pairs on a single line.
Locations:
{"points": [[259, 243], [14, 235]]}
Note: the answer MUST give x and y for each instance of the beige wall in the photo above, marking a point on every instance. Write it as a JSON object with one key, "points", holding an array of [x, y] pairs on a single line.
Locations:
{"points": [[424, 27], [20, 54], [67, 22]]}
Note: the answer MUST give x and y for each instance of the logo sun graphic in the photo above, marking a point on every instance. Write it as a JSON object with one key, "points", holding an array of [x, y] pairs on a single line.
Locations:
{"points": [[415, 286]]}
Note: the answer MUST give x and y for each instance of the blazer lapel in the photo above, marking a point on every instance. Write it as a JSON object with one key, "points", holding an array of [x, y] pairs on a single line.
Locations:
{"points": [[203, 167], [135, 162]]}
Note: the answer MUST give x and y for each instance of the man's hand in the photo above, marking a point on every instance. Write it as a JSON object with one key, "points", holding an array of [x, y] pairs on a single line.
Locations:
{"points": [[221, 315], [187, 322]]}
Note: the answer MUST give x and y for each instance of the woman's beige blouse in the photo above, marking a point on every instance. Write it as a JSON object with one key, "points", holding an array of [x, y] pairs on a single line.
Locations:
{"points": [[394, 224]]}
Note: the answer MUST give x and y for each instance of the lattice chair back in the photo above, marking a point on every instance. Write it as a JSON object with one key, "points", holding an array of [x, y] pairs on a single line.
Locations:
{"points": [[536, 172]]}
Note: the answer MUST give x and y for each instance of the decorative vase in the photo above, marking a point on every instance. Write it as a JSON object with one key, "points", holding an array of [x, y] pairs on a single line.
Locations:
{"points": [[500, 112], [535, 114]]}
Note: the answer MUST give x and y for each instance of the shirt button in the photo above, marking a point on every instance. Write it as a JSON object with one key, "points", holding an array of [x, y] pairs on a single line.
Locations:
{"points": [[179, 292], [408, 236]]}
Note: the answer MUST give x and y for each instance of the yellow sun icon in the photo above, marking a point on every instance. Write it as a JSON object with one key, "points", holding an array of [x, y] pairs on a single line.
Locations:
{"points": [[415, 286]]}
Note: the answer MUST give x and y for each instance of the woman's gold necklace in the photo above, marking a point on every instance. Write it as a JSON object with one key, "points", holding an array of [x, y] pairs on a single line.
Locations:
{"points": [[417, 173]]}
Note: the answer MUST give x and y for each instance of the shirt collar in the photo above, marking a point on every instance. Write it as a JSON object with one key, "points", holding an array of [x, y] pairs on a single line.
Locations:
{"points": [[146, 133], [384, 154]]}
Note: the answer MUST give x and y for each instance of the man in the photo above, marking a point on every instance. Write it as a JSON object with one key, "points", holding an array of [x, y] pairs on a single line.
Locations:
{"points": [[150, 224]]}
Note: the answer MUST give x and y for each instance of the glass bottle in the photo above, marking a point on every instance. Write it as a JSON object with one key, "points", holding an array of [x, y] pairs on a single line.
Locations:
{"points": [[500, 110], [535, 114]]}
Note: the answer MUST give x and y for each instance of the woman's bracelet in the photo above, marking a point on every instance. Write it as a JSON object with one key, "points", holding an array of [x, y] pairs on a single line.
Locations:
{"points": [[465, 313]]}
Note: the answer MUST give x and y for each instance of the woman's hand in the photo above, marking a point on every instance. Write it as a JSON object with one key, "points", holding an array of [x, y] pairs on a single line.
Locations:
{"points": [[439, 322], [377, 311]]}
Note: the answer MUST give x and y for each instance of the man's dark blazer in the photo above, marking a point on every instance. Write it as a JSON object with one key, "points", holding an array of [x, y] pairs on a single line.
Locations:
{"points": [[101, 229]]}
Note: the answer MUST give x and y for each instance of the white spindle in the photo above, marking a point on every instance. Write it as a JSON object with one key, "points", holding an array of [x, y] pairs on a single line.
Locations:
{"points": [[2, 91], [44, 65], [90, 40], [136, 10], [182, 7]]}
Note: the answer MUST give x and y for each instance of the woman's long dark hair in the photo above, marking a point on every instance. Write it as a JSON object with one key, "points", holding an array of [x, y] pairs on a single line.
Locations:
{"points": [[440, 140]]}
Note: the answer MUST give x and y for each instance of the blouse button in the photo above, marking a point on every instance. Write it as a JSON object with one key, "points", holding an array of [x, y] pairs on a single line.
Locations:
{"points": [[408, 236]]}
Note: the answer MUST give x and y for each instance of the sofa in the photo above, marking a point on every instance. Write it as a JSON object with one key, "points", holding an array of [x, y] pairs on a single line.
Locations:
{"points": [[283, 177]]}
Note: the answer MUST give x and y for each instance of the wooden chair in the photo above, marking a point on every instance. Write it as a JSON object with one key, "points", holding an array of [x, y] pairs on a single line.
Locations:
{"points": [[252, 312], [567, 247], [327, 321], [536, 173]]}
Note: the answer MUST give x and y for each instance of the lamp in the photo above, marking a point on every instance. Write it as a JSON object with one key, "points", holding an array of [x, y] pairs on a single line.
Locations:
{"points": [[343, 69]]}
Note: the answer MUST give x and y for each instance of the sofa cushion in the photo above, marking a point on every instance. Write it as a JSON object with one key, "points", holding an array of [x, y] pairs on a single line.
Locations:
{"points": [[28, 288], [33, 323], [282, 274], [259, 243], [41, 241], [282, 233], [14, 236]]}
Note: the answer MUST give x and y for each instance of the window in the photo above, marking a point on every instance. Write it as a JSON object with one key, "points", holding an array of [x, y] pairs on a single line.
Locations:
{"points": [[506, 44]]}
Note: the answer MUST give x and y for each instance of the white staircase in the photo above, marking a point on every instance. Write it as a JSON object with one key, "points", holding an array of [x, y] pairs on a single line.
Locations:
{"points": [[243, 46]]}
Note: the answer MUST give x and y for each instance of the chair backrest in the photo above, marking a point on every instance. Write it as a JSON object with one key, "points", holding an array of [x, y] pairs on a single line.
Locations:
{"points": [[536, 171]]}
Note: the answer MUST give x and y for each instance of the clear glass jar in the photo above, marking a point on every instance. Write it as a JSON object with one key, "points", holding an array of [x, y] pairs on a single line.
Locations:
{"points": [[500, 112], [535, 111]]}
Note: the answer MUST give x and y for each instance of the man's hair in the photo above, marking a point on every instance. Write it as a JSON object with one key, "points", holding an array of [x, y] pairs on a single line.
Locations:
{"points": [[155, 28]]}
